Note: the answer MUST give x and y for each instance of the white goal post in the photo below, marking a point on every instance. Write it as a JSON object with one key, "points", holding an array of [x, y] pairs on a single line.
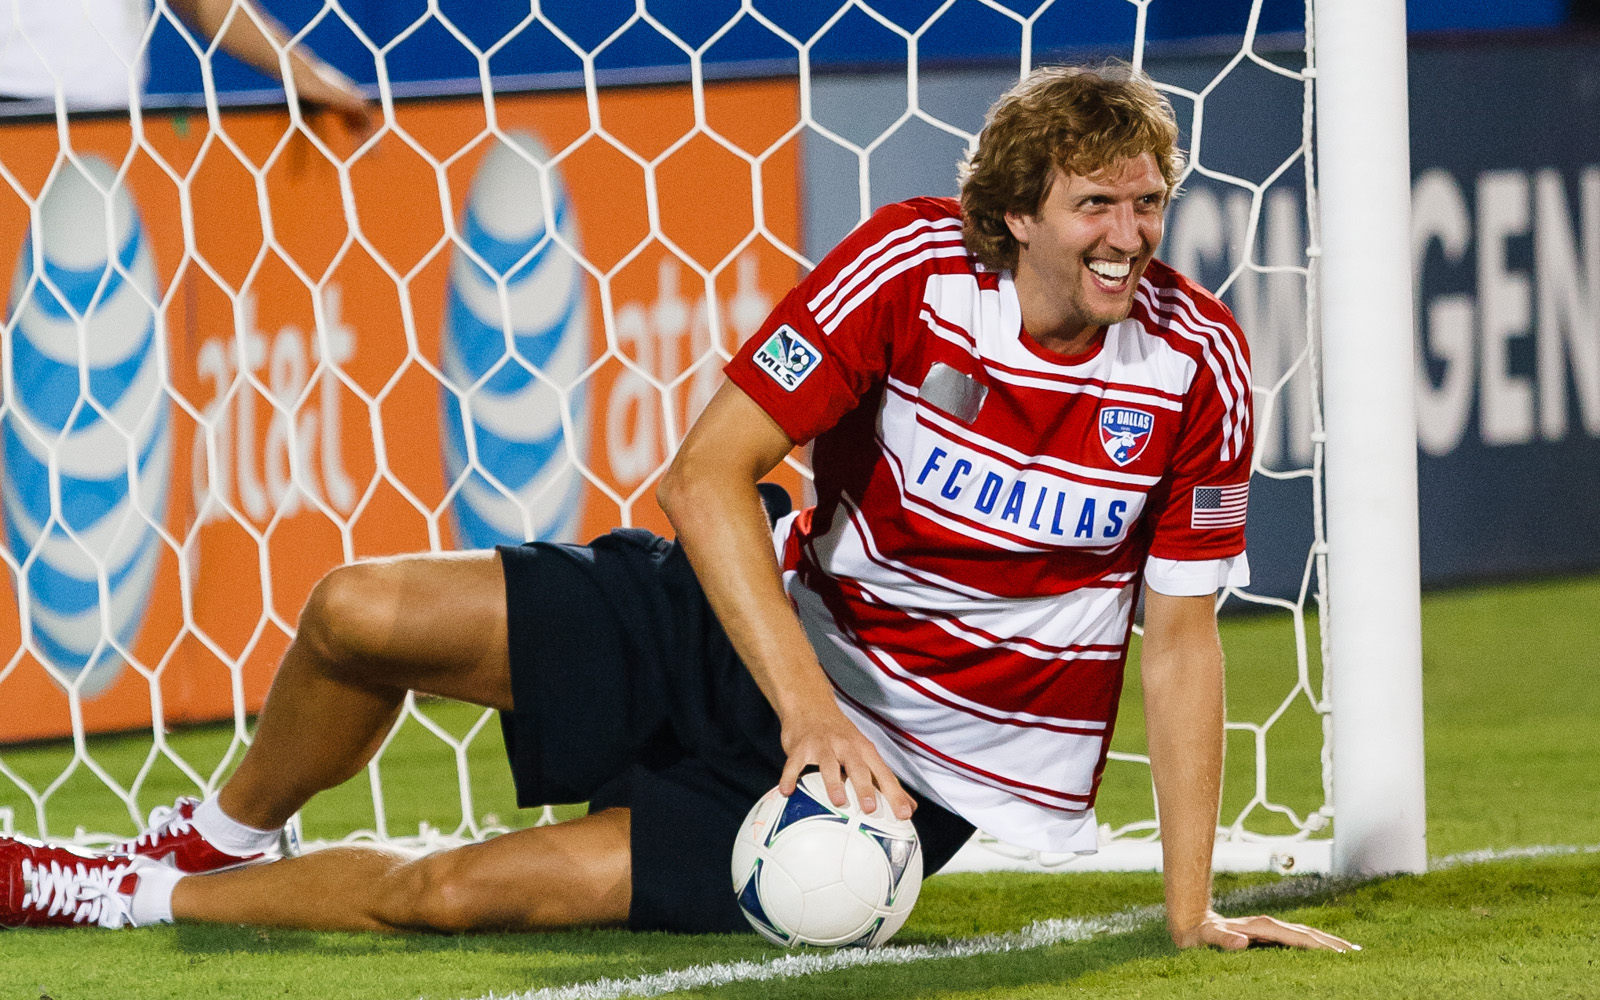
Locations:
{"points": [[253, 416], [1375, 630]]}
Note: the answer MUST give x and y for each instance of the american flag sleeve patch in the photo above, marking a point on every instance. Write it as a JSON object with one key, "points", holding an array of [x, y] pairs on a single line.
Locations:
{"points": [[1219, 506]]}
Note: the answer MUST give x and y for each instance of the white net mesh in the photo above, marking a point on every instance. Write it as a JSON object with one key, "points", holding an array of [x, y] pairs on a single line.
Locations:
{"points": [[240, 350]]}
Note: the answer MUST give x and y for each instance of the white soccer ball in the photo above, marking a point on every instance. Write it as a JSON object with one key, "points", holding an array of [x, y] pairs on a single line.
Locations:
{"points": [[809, 872]]}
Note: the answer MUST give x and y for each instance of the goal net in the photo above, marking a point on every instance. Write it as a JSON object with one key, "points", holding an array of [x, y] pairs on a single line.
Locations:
{"points": [[242, 346]]}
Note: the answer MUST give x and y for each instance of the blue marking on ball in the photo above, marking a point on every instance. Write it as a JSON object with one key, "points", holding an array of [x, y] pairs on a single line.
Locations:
{"points": [[800, 805], [750, 902]]}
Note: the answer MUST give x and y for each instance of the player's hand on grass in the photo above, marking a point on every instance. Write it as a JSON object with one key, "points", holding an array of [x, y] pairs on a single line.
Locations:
{"points": [[1238, 933], [825, 738]]}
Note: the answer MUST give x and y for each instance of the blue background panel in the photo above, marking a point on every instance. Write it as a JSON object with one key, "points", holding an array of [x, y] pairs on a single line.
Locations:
{"points": [[420, 49]]}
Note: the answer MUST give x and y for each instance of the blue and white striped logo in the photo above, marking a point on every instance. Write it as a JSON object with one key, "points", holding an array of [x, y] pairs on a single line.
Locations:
{"points": [[86, 395], [502, 421]]}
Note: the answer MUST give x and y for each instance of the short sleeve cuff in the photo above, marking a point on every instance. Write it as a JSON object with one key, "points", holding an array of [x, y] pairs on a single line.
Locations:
{"points": [[788, 420], [1194, 577]]}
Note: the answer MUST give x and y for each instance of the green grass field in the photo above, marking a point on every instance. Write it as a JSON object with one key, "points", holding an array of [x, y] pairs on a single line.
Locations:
{"points": [[1512, 745]]}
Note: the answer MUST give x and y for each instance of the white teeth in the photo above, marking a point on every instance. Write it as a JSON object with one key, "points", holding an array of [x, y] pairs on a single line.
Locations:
{"points": [[1111, 269]]}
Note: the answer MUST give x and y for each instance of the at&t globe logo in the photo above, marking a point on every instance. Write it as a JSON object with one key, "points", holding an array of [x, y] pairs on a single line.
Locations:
{"points": [[506, 431], [86, 438]]}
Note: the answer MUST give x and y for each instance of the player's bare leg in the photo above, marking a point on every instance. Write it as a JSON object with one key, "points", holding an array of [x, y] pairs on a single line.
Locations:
{"points": [[570, 874], [370, 632]]}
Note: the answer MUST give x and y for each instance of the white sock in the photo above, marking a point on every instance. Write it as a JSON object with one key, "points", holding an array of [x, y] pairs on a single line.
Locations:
{"points": [[228, 834], [152, 897]]}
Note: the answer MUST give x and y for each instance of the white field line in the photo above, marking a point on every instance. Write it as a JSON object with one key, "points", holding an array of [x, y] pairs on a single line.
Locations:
{"points": [[1509, 854], [1040, 934], [1036, 935]]}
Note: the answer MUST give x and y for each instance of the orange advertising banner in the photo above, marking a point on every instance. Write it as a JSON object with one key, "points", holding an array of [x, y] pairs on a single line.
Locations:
{"points": [[233, 362]]}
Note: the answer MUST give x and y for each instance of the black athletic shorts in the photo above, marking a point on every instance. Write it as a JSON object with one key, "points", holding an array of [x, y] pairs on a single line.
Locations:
{"points": [[627, 693]]}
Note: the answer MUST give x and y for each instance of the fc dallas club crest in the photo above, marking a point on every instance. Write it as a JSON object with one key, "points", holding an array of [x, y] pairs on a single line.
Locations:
{"points": [[1124, 431]]}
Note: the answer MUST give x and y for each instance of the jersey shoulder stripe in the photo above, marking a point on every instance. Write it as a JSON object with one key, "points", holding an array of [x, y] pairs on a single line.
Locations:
{"points": [[1166, 321], [1206, 312], [1169, 306], [889, 235], [894, 245], [1234, 354], [1203, 308], [922, 252]]}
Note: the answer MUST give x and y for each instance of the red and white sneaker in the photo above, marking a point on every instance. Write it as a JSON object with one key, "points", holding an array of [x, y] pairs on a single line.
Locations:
{"points": [[44, 886], [171, 839]]}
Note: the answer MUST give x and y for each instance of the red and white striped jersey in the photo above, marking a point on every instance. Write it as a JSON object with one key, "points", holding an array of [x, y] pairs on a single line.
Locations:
{"points": [[986, 508]]}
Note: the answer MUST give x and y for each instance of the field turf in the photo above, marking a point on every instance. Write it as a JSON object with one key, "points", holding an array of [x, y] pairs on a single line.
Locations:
{"points": [[1512, 743]]}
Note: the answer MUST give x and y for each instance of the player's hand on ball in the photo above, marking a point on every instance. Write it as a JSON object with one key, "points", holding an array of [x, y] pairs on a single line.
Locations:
{"points": [[1238, 933], [831, 742]]}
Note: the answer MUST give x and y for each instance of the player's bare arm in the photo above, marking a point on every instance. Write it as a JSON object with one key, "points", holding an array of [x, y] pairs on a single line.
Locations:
{"points": [[709, 495], [253, 36], [1182, 673]]}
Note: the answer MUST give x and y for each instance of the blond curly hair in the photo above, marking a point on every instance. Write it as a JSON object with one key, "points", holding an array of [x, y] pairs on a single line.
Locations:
{"points": [[1081, 119]]}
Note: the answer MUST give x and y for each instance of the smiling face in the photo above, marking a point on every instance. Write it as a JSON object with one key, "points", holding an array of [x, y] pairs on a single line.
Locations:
{"points": [[1082, 253]]}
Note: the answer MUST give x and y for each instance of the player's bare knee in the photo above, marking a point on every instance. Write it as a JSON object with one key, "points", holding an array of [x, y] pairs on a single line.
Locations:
{"points": [[349, 616], [431, 893]]}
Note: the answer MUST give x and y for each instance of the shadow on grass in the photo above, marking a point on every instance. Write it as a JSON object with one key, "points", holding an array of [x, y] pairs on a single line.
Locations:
{"points": [[591, 943]]}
